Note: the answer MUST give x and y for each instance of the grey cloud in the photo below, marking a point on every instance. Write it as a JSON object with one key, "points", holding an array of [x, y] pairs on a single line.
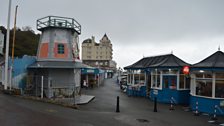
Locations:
{"points": [[131, 22]]}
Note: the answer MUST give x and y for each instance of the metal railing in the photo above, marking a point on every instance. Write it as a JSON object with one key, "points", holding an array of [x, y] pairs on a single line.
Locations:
{"points": [[41, 86], [60, 22]]}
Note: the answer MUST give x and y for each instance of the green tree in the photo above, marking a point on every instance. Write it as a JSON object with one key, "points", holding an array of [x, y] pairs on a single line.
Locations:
{"points": [[26, 42]]}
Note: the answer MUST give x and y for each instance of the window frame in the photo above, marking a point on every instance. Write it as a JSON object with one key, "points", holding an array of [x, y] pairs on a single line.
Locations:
{"points": [[61, 48]]}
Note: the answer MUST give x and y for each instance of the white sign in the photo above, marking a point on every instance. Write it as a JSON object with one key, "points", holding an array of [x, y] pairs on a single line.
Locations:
{"points": [[1, 42], [222, 103], [1, 39], [155, 92]]}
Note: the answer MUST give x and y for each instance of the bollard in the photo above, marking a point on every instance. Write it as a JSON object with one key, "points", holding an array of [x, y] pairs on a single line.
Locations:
{"points": [[155, 104], [117, 108], [196, 109], [214, 117], [171, 104]]}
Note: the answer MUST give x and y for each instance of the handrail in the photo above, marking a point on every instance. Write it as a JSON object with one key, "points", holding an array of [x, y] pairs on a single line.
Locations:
{"points": [[59, 22]]}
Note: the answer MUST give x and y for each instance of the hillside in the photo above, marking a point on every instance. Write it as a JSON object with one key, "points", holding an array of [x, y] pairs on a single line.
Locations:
{"points": [[26, 42]]}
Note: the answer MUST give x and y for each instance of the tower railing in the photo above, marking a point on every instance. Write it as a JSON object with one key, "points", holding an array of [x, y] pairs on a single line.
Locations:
{"points": [[59, 22]]}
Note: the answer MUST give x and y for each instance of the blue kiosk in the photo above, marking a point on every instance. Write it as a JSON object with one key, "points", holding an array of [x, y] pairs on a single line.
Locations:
{"points": [[163, 79], [207, 84]]}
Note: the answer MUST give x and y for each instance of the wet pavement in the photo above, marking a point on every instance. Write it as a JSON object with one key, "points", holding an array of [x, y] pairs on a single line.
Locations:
{"points": [[139, 111], [134, 111]]}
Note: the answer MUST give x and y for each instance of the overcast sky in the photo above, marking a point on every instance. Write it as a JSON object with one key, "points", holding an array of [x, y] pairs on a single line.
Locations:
{"points": [[192, 29]]}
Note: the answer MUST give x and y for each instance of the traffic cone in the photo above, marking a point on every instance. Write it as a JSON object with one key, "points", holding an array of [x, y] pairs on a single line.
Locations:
{"points": [[171, 104], [196, 109], [214, 117]]}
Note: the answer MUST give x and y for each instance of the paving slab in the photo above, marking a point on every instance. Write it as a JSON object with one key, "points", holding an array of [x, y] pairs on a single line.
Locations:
{"points": [[79, 100], [84, 99]]}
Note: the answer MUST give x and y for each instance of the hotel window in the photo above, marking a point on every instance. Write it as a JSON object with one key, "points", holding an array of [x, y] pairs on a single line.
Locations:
{"points": [[61, 49], [204, 84], [219, 85]]}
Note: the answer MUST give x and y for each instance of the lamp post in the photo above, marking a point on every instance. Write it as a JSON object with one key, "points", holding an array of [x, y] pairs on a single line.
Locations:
{"points": [[7, 46]]}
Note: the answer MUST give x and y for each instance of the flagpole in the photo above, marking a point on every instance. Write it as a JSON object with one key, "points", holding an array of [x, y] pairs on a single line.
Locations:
{"points": [[7, 46], [13, 48], [14, 35]]}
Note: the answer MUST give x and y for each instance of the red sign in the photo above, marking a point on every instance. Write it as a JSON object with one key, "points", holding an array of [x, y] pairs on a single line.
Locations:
{"points": [[186, 69]]}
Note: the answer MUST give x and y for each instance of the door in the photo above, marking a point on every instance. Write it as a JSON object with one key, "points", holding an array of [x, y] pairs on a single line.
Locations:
{"points": [[169, 87]]}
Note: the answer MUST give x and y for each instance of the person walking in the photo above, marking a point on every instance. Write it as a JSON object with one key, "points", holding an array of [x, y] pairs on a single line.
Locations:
{"points": [[85, 84]]}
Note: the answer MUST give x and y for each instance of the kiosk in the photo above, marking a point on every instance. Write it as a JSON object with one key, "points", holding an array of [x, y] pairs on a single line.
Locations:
{"points": [[163, 75], [207, 84]]}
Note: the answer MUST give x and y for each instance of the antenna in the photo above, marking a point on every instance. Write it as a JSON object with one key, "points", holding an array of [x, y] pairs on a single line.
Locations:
{"points": [[171, 51], [219, 48]]}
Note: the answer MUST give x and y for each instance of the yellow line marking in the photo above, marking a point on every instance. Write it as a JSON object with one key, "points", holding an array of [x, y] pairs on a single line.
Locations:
{"points": [[51, 110]]}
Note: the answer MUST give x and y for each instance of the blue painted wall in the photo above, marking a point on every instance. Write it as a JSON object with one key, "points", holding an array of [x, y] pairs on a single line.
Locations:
{"points": [[164, 96], [141, 92], [21, 64], [20, 69], [206, 105]]}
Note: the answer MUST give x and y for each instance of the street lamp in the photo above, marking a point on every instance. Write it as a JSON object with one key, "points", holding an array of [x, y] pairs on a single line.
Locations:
{"points": [[7, 46]]}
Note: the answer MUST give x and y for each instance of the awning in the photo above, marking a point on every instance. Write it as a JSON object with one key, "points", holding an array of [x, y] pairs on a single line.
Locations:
{"points": [[57, 64]]}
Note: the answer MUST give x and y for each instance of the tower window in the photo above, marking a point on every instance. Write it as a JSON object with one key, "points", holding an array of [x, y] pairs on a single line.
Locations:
{"points": [[61, 49]]}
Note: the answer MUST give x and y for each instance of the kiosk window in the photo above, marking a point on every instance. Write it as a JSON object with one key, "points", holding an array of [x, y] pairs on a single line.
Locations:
{"points": [[184, 82], [219, 85], [156, 79], [204, 87], [219, 88]]}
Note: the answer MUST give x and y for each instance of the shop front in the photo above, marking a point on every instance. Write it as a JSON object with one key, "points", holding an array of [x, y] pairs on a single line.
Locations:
{"points": [[136, 82], [170, 84], [207, 84], [161, 77], [92, 77]]}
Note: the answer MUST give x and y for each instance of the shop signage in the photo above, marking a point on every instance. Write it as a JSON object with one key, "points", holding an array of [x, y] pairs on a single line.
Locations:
{"points": [[90, 71], [186, 69]]}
